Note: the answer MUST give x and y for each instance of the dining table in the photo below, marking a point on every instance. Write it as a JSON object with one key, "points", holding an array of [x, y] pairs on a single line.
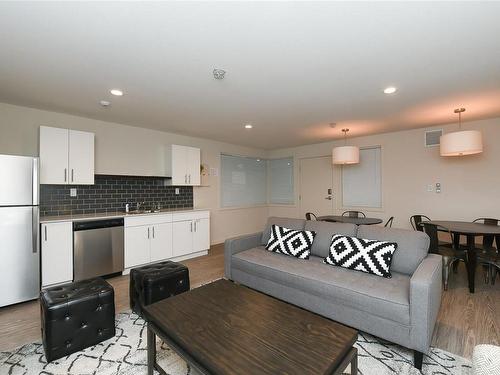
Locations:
{"points": [[350, 219], [470, 231]]}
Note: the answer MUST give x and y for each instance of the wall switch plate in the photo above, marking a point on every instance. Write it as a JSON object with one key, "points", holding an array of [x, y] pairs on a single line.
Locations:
{"points": [[72, 192], [430, 188], [177, 191], [214, 172], [438, 187]]}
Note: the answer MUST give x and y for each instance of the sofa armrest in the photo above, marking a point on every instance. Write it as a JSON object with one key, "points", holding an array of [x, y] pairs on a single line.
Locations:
{"points": [[236, 245], [425, 300]]}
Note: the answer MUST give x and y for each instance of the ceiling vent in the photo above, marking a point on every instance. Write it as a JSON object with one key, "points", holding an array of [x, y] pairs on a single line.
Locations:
{"points": [[432, 137]]}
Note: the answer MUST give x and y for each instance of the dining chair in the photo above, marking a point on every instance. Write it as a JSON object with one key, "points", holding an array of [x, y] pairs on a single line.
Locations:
{"points": [[389, 222], [311, 216], [448, 252], [416, 220], [354, 214], [487, 254]]}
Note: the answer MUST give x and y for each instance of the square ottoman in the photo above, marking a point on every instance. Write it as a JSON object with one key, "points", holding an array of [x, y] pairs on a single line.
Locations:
{"points": [[76, 316], [155, 282]]}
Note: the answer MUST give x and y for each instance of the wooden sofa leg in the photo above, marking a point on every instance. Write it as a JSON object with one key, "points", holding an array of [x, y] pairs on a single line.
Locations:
{"points": [[418, 358]]}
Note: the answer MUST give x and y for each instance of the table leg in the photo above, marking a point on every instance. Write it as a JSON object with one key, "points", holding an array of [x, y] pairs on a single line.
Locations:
{"points": [[354, 363], [151, 350], [471, 261]]}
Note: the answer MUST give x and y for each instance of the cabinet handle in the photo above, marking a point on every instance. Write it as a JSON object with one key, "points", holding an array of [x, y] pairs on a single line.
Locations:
{"points": [[148, 233], [191, 226], [65, 174], [153, 232], [185, 178], [195, 226], [189, 178], [45, 232], [72, 173]]}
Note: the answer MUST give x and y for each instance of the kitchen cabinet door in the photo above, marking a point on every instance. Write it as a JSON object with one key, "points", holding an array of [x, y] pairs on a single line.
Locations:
{"points": [[193, 168], [137, 246], [57, 253], [179, 165], [81, 158], [201, 235], [182, 237], [161, 242], [54, 146]]}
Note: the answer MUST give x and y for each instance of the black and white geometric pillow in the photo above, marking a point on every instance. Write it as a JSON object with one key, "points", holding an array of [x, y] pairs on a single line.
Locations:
{"points": [[370, 256], [296, 243]]}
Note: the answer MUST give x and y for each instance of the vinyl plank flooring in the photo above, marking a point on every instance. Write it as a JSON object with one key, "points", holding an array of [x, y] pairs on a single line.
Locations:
{"points": [[464, 319]]}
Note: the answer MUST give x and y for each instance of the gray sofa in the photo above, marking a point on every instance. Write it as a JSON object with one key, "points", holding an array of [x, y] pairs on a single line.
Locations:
{"points": [[402, 309]]}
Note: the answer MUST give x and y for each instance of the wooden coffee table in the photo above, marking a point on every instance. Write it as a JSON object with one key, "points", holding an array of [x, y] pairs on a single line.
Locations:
{"points": [[226, 328]]}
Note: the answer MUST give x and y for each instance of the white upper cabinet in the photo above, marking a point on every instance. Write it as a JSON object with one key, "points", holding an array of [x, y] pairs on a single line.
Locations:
{"points": [[81, 158], [53, 155], [66, 156], [183, 165]]}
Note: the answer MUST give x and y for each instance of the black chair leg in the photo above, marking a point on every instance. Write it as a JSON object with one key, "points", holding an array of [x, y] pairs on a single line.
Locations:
{"points": [[418, 358]]}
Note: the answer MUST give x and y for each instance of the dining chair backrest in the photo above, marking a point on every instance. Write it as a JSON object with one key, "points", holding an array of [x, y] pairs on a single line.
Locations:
{"points": [[489, 239], [311, 216], [416, 221], [389, 222], [355, 214]]}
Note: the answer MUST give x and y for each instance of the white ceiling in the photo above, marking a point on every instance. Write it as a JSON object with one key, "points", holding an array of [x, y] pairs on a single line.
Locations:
{"points": [[292, 67]]}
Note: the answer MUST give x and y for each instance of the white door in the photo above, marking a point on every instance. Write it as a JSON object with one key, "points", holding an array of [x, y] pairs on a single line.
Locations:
{"points": [[81, 158], [53, 155], [182, 237], [179, 165], [161, 242], [316, 186], [57, 253], [201, 235], [137, 246], [194, 166]]}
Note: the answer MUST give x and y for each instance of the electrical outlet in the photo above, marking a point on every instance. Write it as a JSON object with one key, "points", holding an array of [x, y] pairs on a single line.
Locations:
{"points": [[214, 172], [177, 191], [438, 187], [72, 192]]}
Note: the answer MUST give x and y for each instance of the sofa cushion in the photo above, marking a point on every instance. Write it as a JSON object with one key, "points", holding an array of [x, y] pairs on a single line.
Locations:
{"points": [[387, 298], [297, 224], [324, 232], [291, 242], [369, 256], [413, 246]]}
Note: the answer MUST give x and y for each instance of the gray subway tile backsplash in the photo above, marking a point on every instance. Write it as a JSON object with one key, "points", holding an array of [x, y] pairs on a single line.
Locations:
{"points": [[110, 194]]}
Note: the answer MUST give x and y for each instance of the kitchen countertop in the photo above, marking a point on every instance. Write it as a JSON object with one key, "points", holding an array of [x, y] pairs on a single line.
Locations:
{"points": [[111, 215]]}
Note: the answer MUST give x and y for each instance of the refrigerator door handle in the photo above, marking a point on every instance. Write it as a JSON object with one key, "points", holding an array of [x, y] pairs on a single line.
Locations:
{"points": [[35, 229], [36, 188]]}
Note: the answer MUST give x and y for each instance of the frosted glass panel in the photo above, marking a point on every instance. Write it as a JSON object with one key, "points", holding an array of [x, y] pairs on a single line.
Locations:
{"points": [[281, 181], [361, 183], [244, 181]]}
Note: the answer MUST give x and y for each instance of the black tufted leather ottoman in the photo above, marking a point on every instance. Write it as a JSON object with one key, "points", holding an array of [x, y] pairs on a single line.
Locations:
{"points": [[76, 316], [155, 282]]}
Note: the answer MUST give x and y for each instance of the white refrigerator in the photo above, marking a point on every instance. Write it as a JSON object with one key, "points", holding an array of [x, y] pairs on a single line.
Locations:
{"points": [[19, 229]]}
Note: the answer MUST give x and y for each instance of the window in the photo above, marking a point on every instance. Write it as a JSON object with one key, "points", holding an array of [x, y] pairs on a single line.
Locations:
{"points": [[361, 183], [243, 181], [281, 181]]}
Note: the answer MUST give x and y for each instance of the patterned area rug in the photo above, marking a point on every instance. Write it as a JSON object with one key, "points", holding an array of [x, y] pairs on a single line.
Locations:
{"points": [[126, 354]]}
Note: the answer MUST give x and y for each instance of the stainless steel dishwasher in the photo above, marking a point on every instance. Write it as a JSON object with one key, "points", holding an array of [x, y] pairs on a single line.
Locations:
{"points": [[97, 248]]}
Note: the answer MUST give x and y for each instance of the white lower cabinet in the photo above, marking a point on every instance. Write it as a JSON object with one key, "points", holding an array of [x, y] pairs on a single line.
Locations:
{"points": [[153, 238], [57, 253]]}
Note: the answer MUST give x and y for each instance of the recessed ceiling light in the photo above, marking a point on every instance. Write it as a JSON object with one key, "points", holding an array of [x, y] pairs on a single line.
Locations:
{"points": [[116, 92], [390, 90], [248, 126], [105, 103]]}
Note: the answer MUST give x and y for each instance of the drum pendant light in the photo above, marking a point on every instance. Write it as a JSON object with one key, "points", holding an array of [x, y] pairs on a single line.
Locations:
{"points": [[462, 142], [345, 154]]}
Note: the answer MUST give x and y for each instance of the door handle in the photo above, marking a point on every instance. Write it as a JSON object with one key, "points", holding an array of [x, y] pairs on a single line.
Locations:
{"points": [[329, 198], [65, 174], [72, 173], [35, 229]]}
